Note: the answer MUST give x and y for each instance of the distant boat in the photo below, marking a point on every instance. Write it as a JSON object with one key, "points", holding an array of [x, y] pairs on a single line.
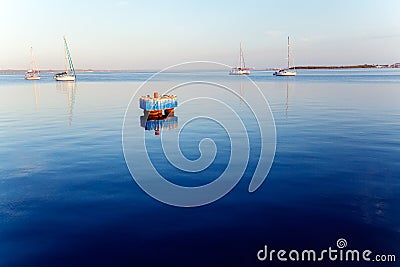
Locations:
{"points": [[69, 73], [288, 71], [241, 70], [33, 73]]}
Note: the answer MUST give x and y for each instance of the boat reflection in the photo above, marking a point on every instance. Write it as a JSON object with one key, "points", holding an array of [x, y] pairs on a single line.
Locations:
{"points": [[158, 112], [287, 98], [68, 88], [289, 91], [36, 92], [158, 124]]}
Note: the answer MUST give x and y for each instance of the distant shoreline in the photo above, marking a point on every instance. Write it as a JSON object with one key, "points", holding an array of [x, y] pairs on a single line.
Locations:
{"points": [[363, 66], [19, 71]]}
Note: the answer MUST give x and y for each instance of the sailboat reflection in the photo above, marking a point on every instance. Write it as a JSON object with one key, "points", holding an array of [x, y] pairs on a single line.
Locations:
{"points": [[36, 92], [241, 94], [69, 89], [287, 98], [158, 113], [290, 89]]}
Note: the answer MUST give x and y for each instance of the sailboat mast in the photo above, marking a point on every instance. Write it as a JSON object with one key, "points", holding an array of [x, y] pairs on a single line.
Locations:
{"points": [[66, 57], [288, 53], [32, 63], [240, 56]]}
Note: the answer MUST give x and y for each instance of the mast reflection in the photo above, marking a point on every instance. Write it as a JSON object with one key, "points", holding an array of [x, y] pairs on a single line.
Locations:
{"points": [[69, 89]]}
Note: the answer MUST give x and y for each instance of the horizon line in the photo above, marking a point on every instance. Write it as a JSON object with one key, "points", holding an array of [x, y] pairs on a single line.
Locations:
{"points": [[50, 70]]}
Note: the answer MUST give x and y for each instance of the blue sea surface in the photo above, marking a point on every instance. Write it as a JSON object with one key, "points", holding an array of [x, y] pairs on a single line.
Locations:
{"points": [[67, 197]]}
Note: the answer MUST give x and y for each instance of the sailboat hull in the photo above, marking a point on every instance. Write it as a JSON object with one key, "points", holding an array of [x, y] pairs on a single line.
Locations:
{"points": [[32, 78], [65, 78], [285, 73], [239, 72]]}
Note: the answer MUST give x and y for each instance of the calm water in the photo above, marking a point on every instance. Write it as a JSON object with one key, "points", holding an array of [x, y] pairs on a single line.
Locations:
{"points": [[67, 197]]}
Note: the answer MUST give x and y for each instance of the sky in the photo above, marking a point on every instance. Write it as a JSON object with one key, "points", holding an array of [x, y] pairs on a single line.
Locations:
{"points": [[144, 35]]}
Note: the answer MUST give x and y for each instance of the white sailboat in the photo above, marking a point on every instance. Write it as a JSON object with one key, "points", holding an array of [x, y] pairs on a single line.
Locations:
{"points": [[288, 71], [69, 73], [241, 70], [33, 73]]}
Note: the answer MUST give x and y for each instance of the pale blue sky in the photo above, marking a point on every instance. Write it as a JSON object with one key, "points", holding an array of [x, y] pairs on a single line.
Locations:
{"points": [[156, 34]]}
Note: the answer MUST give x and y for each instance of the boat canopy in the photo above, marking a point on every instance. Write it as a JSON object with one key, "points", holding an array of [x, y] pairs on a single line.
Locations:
{"points": [[61, 73]]}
